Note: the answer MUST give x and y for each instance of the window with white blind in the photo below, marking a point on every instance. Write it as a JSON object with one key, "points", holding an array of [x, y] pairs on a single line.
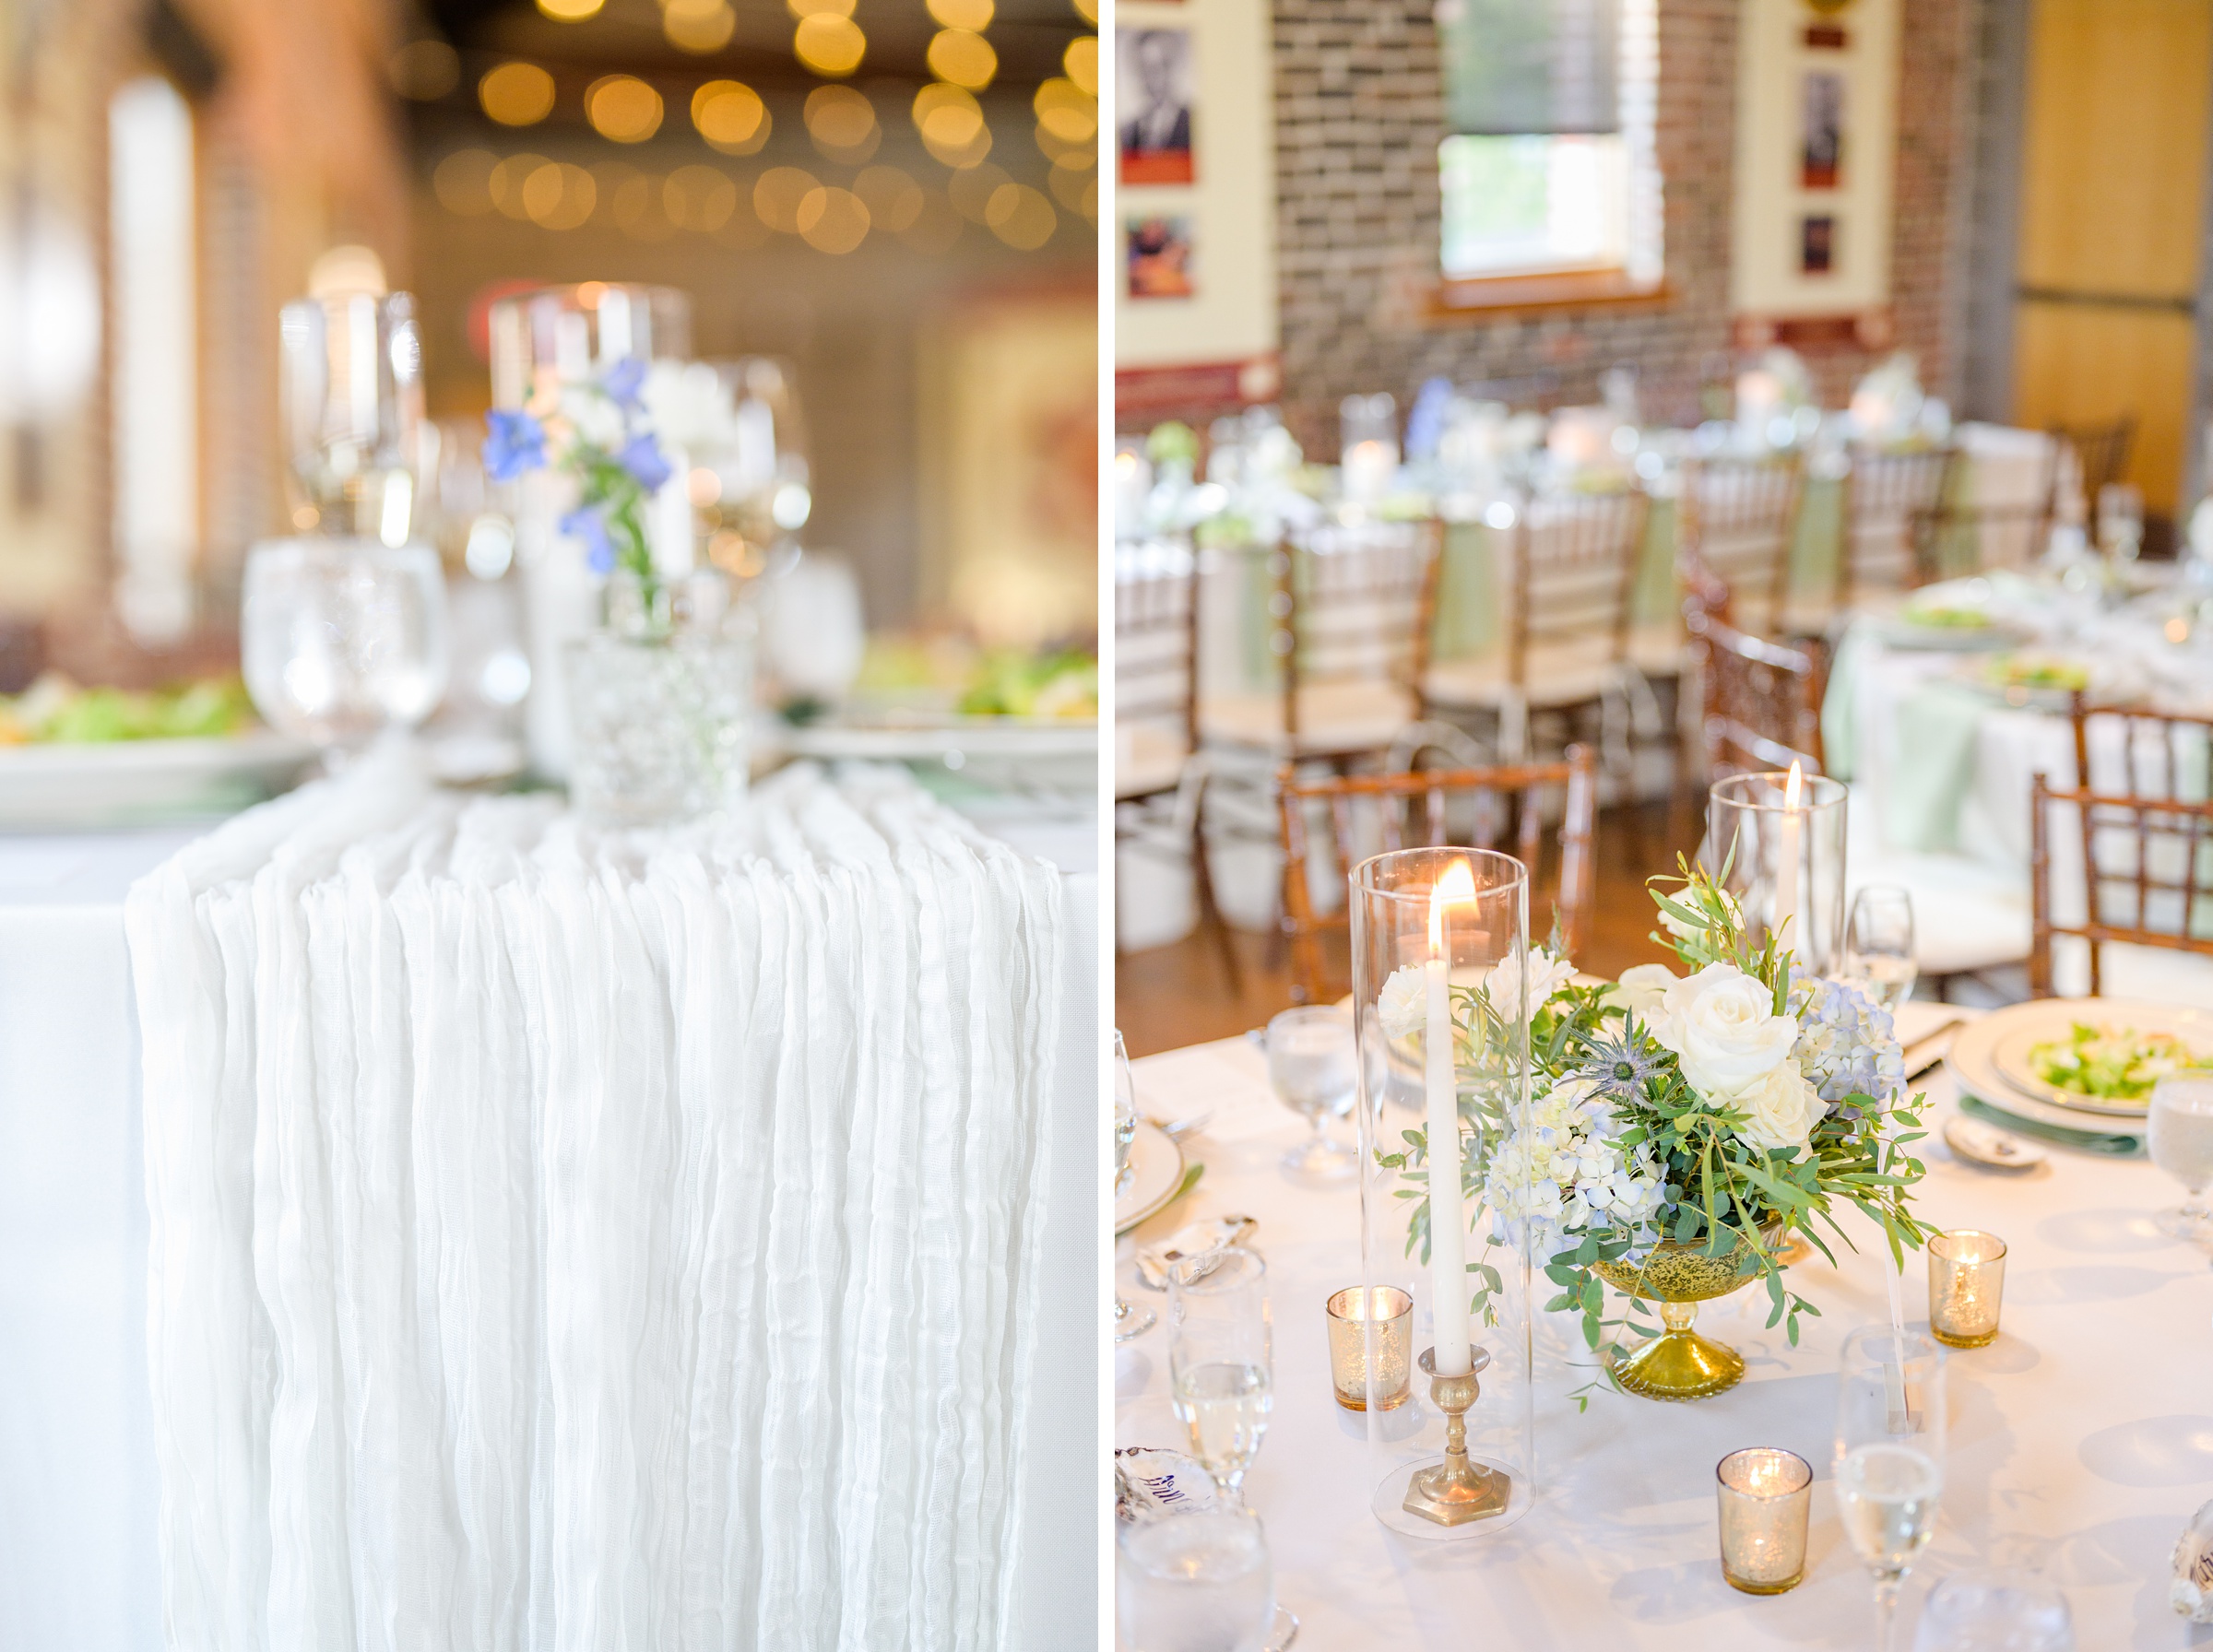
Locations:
{"points": [[1550, 163]]}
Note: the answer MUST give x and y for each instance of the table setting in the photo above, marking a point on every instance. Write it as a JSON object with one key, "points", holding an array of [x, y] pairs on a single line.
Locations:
{"points": [[1915, 1277], [631, 1192]]}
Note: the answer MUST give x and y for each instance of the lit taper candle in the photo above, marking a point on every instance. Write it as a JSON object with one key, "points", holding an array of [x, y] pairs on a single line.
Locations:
{"points": [[1448, 1216]]}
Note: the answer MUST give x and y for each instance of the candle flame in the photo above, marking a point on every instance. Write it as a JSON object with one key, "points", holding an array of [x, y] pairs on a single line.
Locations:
{"points": [[1457, 887], [1793, 786]]}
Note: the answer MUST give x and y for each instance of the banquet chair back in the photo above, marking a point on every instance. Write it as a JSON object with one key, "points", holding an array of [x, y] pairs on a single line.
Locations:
{"points": [[1354, 606], [1761, 700], [1888, 498], [2100, 452], [2134, 751], [2146, 879], [1575, 562], [1738, 518], [1331, 825], [1155, 657]]}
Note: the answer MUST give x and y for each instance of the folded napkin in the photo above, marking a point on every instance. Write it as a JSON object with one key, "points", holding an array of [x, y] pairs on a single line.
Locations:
{"points": [[2115, 1143], [1934, 767]]}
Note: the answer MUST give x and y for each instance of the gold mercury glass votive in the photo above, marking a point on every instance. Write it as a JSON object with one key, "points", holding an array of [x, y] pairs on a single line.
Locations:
{"points": [[1967, 1280], [1380, 1315], [1765, 1492]]}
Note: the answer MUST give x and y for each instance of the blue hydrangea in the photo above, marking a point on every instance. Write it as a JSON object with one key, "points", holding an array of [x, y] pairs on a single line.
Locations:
{"points": [[1846, 1042], [584, 524], [514, 444], [642, 459]]}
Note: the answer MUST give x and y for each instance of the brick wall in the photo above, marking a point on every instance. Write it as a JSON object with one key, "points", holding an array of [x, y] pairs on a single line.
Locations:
{"points": [[1359, 114]]}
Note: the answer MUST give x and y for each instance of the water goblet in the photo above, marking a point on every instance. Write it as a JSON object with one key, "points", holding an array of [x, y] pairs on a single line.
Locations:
{"points": [[1314, 1070], [1198, 1583], [1128, 1321], [1887, 1497], [1221, 1365], [1878, 944], [1995, 1610], [2181, 1145]]}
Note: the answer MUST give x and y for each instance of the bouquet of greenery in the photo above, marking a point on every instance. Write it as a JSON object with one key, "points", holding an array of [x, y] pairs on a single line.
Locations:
{"points": [[1725, 1109]]}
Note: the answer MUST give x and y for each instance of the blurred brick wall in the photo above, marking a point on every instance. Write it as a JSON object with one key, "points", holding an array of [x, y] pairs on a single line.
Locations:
{"points": [[1360, 114]]}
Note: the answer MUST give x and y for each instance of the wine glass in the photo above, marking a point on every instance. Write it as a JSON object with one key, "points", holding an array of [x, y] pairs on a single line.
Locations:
{"points": [[340, 639], [1997, 1610], [1886, 1498], [1128, 1321], [1196, 1583], [1221, 1369], [1314, 1069], [1890, 1427], [2181, 1145], [1878, 944]]}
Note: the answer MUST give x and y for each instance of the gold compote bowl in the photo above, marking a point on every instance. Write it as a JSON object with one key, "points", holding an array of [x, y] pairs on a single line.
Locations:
{"points": [[1679, 1364]]}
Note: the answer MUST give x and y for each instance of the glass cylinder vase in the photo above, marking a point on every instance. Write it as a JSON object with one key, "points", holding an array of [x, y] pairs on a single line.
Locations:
{"points": [[1440, 956], [1775, 844], [660, 708]]}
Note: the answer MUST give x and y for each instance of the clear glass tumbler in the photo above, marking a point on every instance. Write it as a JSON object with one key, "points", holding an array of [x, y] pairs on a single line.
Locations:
{"points": [[1196, 1583], [2181, 1145], [342, 639], [1993, 1610], [1878, 945], [1776, 846]]}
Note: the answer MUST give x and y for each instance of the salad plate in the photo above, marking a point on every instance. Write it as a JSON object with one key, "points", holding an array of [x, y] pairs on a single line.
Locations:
{"points": [[1156, 1172], [1990, 1058], [133, 782]]}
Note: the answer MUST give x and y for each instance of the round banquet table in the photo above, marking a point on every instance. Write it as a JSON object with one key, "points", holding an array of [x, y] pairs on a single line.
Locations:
{"points": [[2079, 1444]]}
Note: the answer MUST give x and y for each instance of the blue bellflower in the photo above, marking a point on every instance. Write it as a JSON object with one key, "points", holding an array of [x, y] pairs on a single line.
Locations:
{"points": [[623, 383], [643, 461], [514, 446], [584, 523]]}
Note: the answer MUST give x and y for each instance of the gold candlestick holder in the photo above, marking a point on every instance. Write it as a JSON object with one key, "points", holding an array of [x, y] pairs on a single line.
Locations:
{"points": [[1457, 1490]]}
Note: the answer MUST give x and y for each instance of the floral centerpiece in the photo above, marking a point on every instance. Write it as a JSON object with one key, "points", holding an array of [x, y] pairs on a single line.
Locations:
{"points": [[1683, 1131]]}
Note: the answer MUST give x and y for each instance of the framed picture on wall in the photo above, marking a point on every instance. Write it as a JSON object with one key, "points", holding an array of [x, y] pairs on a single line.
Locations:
{"points": [[1817, 245], [1160, 257], [1152, 105], [1821, 139]]}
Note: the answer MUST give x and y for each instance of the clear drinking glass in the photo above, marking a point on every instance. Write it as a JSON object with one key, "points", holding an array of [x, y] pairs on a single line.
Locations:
{"points": [[1994, 1611], [1128, 1321], [1220, 1366], [341, 639], [2181, 1145], [1878, 944], [1196, 1583], [351, 388], [762, 484], [1314, 1069], [1886, 1498]]}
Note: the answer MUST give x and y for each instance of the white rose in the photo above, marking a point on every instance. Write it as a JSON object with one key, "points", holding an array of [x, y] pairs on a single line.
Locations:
{"points": [[1640, 989], [1781, 1109], [1404, 1004], [1723, 1025], [594, 418], [1548, 974]]}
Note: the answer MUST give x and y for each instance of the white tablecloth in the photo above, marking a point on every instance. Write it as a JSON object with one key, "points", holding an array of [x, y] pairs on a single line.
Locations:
{"points": [[78, 1480], [2080, 1441]]}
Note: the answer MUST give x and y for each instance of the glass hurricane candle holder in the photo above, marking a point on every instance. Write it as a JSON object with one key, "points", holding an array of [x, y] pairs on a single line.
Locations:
{"points": [[1967, 1284], [1371, 1342], [1765, 1493], [1440, 940], [1776, 846]]}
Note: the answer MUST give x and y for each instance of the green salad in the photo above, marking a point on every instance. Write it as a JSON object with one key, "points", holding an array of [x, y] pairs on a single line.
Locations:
{"points": [[1947, 617], [1024, 685], [2113, 1065], [2037, 671], [56, 710]]}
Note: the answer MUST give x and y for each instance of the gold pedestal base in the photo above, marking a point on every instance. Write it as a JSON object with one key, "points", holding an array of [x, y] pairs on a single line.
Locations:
{"points": [[1678, 1363]]}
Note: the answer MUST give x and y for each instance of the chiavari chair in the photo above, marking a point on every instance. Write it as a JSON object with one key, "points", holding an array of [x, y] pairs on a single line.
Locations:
{"points": [[1737, 518], [1762, 700], [1329, 824], [1888, 498], [1350, 615], [1159, 779]]}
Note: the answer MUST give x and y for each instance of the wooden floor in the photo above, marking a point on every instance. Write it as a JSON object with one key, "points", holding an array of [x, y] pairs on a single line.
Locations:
{"points": [[1178, 994]]}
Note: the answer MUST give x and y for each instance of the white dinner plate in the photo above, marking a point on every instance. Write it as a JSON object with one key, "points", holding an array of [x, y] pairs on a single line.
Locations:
{"points": [[1156, 1172], [971, 736], [1973, 1064], [132, 783], [2009, 1051]]}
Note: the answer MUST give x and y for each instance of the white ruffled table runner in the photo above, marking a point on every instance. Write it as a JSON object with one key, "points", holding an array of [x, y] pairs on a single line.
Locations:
{"points": [[564, 1239]]}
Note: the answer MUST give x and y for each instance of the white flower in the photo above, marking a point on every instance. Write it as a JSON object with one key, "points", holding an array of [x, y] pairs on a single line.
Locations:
{"points": [[1404, 1004], [1548, 974], [1723, 1025], [689, 407], [1781, 1108], [1640, 989], [595, 418]]}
